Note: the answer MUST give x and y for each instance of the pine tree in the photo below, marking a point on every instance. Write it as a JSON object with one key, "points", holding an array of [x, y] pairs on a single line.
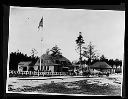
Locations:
{"points": [[56, 51], [80, 42], [90, 53]]}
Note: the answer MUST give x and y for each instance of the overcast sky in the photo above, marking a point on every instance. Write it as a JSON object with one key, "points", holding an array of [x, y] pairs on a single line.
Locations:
{"points": [[104, 28]]}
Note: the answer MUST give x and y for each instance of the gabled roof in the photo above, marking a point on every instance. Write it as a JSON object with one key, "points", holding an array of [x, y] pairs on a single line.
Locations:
{"points": [[49, 64], [25, 63], [52, 60], [100, 65]]}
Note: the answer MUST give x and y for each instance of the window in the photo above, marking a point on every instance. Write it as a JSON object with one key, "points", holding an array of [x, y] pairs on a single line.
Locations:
{"points": [[48, 61], [63, 62], [41, 61], [44, 67], [47, 67], [57, 61]]}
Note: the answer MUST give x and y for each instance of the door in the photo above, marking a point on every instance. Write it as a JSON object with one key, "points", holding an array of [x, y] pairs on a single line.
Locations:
{"points": [[24, 68]]}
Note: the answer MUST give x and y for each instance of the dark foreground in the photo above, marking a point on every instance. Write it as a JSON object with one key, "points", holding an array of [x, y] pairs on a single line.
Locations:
{"points": [[77, 87]]}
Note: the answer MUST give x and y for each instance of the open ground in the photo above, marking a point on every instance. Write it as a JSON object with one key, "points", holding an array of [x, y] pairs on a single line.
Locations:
{"points": [[110, 86]]}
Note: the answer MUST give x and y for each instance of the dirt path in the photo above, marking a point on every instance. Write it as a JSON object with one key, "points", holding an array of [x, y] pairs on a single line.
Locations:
{"points": [[68, 85]]}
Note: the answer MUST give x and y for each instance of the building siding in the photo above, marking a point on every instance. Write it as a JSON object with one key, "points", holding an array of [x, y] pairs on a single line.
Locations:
{"points": [[51, 68], [35, 68]]}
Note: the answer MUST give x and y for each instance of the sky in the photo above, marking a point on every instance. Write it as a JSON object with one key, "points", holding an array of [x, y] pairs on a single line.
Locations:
{"points": [[61, 27]]}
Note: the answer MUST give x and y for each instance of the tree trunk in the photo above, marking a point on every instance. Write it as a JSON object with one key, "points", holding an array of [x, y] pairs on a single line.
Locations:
{"points": [[80, 57]]}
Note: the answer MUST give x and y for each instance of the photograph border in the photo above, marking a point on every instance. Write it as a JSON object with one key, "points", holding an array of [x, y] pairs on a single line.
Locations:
{"points": [[5, 38]]}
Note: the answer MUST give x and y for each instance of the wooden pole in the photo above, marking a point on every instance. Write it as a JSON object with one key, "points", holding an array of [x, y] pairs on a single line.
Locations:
{"points": [[40, 27], [41, 53]]}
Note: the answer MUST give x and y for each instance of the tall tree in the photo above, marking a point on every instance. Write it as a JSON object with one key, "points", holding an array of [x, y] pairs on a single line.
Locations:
{"points": [[120, 63], [55, 51], [90, 53], [117, 62], [104, 59], [80, 42], [111, 62]]}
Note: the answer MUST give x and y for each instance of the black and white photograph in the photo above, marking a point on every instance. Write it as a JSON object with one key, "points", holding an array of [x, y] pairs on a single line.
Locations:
{"points": [[72, 52]]}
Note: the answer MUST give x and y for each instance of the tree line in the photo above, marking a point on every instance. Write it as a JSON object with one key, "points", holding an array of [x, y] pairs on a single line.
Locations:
{"points": [[111, 62], [16, 57], [87, 52]]}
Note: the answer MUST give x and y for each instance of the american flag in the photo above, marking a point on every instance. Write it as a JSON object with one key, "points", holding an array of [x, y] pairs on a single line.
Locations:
{"points": [[41, 23]]}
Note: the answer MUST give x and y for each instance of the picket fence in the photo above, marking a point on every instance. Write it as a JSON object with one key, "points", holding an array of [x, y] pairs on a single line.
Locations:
{"points": [[34, 73]]}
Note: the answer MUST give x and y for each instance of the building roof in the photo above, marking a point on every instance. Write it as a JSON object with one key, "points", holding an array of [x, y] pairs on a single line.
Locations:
{"points": [[28, 63], [94, 71], [100, 65], [52, 60]]}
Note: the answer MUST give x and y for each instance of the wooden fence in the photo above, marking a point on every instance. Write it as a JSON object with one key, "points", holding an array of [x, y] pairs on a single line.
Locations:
{"points": [[34, 73]]}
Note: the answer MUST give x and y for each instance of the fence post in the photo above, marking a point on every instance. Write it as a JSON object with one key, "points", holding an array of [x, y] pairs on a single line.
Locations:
{"points": [[43, 74], [38, 73], [17, 73], [34, 73], [30, 73]]}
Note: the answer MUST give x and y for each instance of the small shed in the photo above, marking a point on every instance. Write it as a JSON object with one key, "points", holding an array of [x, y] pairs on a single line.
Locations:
{"points": [[101, 66], [26, 66]]}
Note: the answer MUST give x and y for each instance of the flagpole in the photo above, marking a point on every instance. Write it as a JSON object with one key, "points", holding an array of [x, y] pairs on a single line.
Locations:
{"points": [[40, 59], [40, 26], [41, 52]]}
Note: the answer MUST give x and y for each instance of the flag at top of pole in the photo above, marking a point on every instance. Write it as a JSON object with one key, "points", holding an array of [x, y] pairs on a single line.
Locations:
{"points": [[40, 26], [41, 23]]}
